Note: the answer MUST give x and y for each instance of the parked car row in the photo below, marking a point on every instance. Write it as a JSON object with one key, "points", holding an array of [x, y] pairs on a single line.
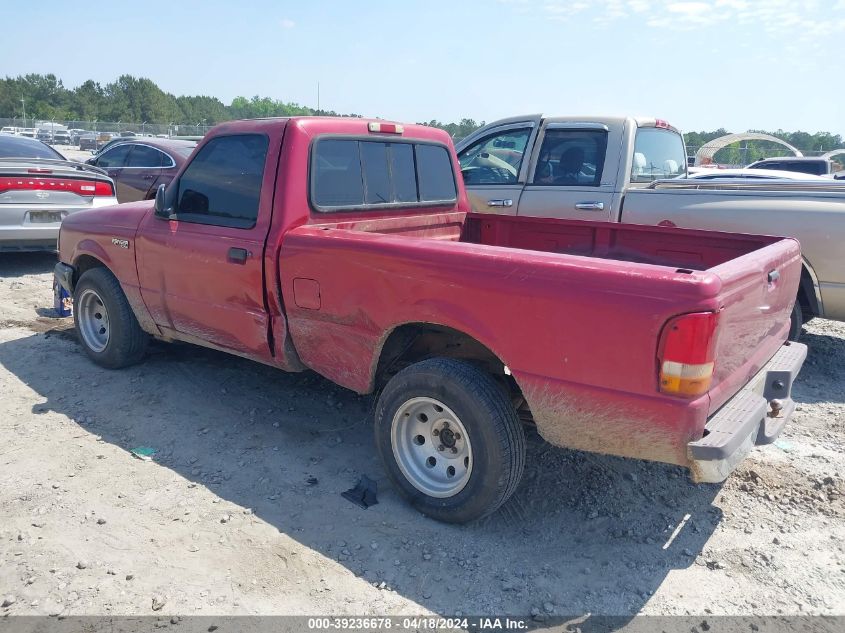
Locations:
{"points": [[29, 132], [85, 139]]}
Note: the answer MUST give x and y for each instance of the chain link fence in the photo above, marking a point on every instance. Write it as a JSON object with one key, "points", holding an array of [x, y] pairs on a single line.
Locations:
{"points": [[111, 127]]}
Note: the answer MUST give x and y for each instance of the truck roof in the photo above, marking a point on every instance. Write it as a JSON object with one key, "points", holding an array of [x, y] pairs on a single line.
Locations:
{"points": [[609, 120], [313, 125]]}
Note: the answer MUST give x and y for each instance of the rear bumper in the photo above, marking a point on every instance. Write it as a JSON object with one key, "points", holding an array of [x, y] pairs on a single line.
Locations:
{"points": [[749, 418], [29, 238]]}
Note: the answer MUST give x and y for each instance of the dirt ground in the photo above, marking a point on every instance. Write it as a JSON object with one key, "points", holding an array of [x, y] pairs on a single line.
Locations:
{"points": [[240, 510]]}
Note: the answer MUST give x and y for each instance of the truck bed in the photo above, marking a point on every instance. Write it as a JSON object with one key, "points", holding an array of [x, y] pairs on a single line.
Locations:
{"points": [[545, 296], [687, 250]]}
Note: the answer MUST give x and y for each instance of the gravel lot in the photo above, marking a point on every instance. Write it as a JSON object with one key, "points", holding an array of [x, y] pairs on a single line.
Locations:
{"points": [[240, 510]]}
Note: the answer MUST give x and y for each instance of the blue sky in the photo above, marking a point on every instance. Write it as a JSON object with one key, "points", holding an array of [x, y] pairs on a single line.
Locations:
{"points": [[736, 64]]}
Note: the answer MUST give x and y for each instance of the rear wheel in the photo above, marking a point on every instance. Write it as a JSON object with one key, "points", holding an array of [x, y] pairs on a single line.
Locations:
{"points": [[107, 327], [450, 439]]}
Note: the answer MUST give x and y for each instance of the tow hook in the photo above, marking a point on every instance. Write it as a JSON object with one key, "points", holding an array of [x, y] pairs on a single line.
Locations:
{"points": [[776, 408]]}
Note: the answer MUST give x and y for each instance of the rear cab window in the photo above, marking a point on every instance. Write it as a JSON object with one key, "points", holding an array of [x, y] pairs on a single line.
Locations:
{"points": [[658, 153], [349, 174]]}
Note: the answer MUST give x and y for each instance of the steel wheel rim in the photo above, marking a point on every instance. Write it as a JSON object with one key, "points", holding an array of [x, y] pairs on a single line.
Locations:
{"points": [[431, 447], [93, 320]]}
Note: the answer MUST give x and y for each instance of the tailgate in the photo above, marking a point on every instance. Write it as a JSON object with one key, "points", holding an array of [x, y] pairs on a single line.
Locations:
{"points": [[757, 294]]}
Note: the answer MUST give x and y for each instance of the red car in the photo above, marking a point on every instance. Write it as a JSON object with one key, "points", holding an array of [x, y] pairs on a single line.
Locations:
{"points": [[346, 246], [139, 165]]}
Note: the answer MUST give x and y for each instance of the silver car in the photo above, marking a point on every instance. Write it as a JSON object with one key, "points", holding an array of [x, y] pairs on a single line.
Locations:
{"points": [[39, 188]]}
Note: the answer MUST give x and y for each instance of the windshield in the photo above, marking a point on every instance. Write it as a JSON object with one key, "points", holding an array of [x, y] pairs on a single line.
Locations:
{"points": [[658, 153]]}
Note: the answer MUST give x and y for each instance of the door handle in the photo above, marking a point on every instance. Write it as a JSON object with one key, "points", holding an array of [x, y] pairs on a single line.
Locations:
{"points": [[237, 255], [590, 206], [500, 203]]}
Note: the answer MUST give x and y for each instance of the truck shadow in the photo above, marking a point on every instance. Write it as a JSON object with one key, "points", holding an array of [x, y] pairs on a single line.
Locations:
{"points": [[826, 361], [583, 534], [20, 264]]}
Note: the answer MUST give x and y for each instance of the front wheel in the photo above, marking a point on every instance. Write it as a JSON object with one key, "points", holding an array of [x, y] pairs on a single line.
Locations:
{"points": [[450, 439], [106, 326]]}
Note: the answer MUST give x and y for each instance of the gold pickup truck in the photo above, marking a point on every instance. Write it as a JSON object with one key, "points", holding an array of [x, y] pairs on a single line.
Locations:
{"points": [[624, 169]]}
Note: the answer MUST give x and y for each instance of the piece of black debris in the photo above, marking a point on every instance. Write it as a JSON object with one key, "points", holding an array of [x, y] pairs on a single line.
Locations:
{"points": [[364, 494]]}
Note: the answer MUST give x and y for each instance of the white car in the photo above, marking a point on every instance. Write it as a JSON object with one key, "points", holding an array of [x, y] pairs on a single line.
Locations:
{"points": [[39, 188], [754, 174]]}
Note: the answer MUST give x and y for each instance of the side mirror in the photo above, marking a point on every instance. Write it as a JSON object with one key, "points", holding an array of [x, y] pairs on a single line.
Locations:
{"points": [[160, 209]]}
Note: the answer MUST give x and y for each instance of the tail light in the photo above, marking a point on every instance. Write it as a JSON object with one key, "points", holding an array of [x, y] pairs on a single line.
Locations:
{"points": [[686, 354], [385, 128], [39, 183]]}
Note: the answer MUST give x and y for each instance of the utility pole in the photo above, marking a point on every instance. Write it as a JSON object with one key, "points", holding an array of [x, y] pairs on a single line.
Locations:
{"points": [[23, 101], [318, 97]]}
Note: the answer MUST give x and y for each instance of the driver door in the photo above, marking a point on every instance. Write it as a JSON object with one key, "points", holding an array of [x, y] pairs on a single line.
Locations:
{"points": [[494, 164]]}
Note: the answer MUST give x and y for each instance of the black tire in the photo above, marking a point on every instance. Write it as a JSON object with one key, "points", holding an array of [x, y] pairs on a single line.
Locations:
{"points": [[796, 321], [127, 342], [491, 423]]}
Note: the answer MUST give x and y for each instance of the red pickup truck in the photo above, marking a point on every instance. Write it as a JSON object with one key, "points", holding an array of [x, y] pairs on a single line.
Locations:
{"points": [[347, 246]]}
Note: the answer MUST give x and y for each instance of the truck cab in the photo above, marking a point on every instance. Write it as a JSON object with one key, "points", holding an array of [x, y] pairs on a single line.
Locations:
{"points": [[567, 167]]}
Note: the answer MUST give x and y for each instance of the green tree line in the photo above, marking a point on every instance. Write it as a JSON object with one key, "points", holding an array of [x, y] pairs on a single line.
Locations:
{"points": [[130, 99], [138, 99]]}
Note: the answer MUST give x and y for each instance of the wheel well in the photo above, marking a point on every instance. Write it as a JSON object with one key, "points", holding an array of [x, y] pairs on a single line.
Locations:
{"points": [[414, 342], [83, 264], [807, 295]]}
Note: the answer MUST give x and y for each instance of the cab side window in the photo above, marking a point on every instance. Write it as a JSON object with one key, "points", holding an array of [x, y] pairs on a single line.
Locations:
{"points": [[222, 184], [145, 156], [495, 159], [571, 157]]}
